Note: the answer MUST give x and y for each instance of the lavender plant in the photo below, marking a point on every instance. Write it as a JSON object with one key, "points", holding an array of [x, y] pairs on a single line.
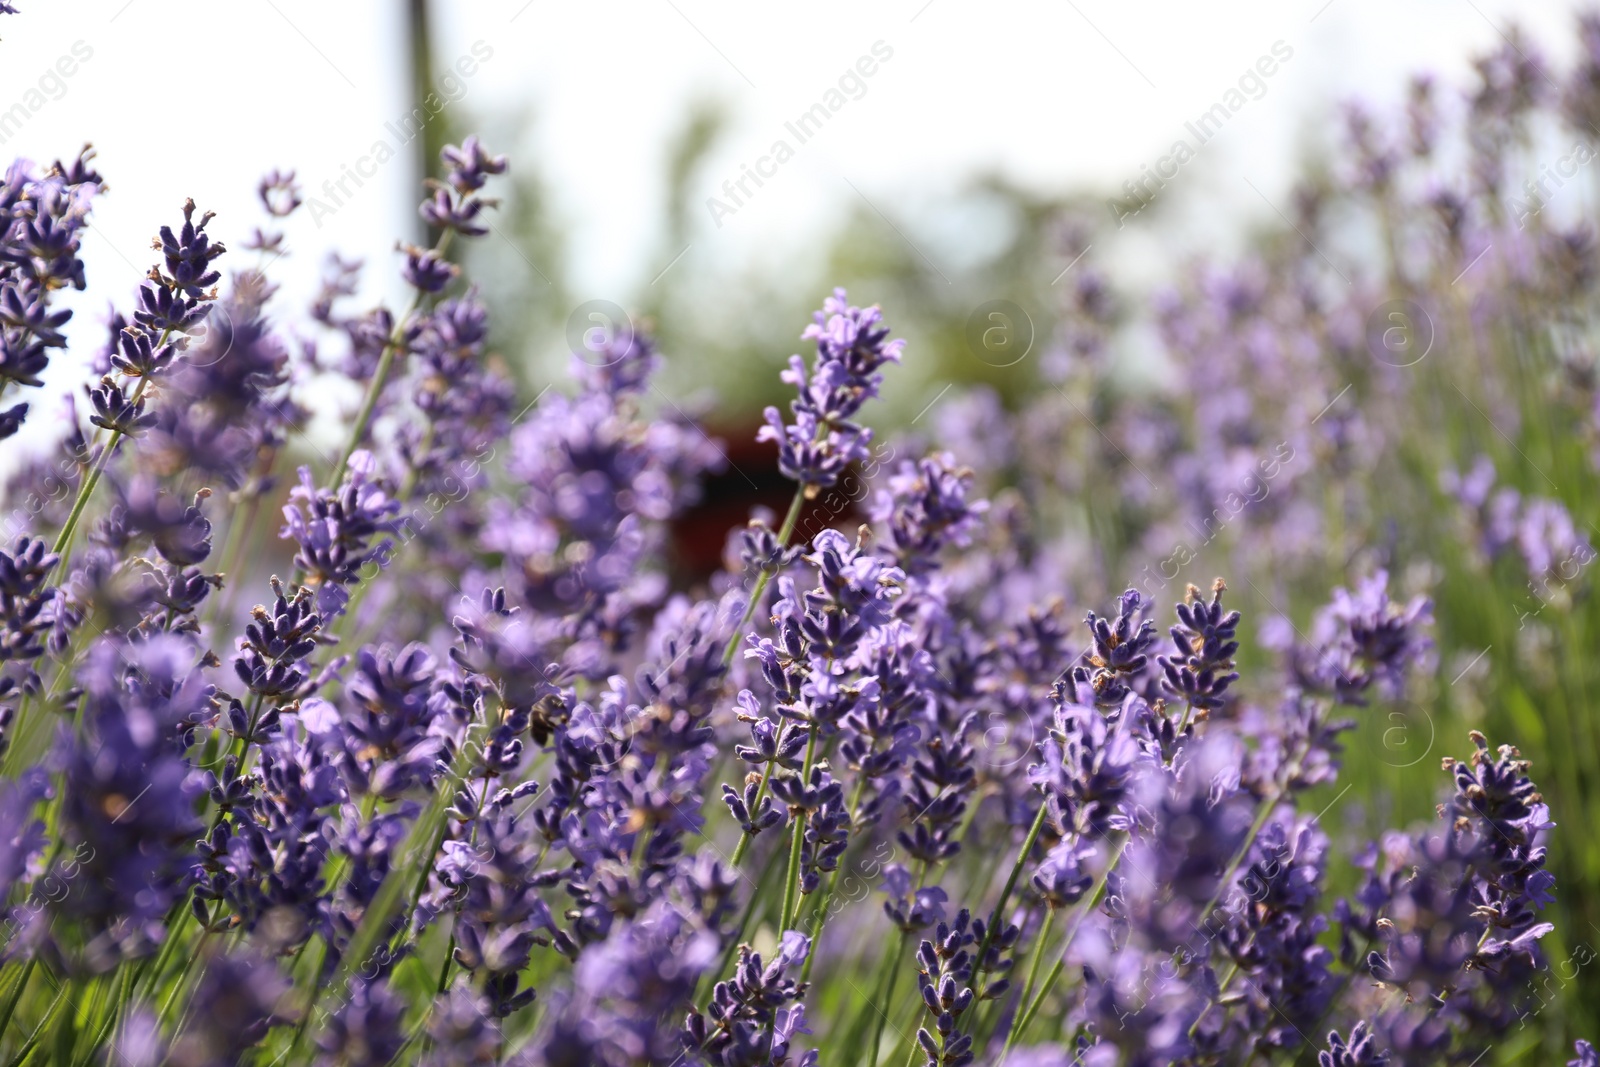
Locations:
{"points": [[479, 780]]}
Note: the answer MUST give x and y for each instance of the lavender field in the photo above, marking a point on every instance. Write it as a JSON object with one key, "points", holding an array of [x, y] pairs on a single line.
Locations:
{"points": [[1200, 678]]}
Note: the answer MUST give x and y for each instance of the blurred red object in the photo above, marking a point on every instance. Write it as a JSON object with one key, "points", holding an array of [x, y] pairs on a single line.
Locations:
{"points": [[749, 480]]}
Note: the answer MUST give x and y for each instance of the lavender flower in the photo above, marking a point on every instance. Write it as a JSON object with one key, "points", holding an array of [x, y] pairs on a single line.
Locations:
{"points": [[1206, 644], [911, 909], [42, 219], [1362, 640], [1359, 1051], [274, 652], [1119, 652], [748, 1020], [128, 796], [340, 532], [946, 967], [627, 993], [1088, 771], [822, 441], [517, 852], [24, 839], [27, 608], [925, 508], [500, 914]]}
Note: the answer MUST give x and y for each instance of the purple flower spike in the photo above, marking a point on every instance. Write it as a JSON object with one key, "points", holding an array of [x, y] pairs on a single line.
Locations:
{"points": [[925, 509], [469, 166], [1205, 641], [279, 194], [822, 442], [42, 221], [188, 254], [1363, 639], [1120, 651], [341, 533], [427, 270], [749, 1019], [1360, 1051]]}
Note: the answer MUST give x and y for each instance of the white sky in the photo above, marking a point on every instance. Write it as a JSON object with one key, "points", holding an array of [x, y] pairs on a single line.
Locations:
{"points": [[200, 99]]}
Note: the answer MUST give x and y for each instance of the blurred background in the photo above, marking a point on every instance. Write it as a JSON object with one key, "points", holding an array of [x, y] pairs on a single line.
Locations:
{"points": [[928, 193], [1198, 312]]}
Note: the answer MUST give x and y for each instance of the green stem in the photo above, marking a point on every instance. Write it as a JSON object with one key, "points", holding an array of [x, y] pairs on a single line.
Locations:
{"points": [[764, 577], [86, 490], [888, 998], [44, 1024], [791, 888], [63, 542], [857, 1021], [449, 958], [913, 1047], [1072, 932], [176, 927], [828, 890], [745, 838], [998, 914], [242, 524], [1238, 858], [711, 977], [183, 978], [1033, 965], [380, 376], [311, 1000], [103, 1031], [16, 994]]}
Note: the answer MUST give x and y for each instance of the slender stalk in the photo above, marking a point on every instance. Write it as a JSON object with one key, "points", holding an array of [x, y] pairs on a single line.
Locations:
{"points": [[857, 1020], [1061, 960], [380, 375], [103, 1030], [792, 881], [96, 469], [765, 576], [711, 977], [63, 541], [828, 890], [745, 838], [183, 978], [1238, 857], [913, 1047], [16, 994], [429, 826], [791, 888], [1033, 965], [894, 974], [241, 529], [44, 1024], [998, 914], [311, 1003], [888, 998], [1262, 815], [176, 927]]}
